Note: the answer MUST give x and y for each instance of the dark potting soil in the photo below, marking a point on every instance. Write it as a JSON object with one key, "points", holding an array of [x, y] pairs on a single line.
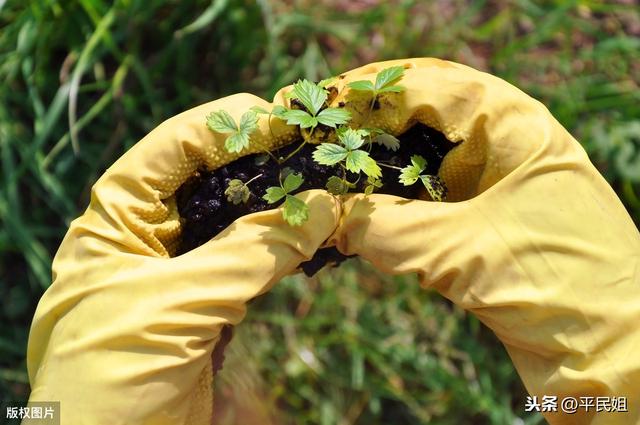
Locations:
{"points": [[205, 210]]}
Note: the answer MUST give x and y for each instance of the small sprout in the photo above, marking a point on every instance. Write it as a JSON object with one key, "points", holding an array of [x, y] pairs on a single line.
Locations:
{"points": [[372, 184], [313, 98], [384, 82], [294, 211], [237, 192], [338, 186], [239, 137], [411, 173]]}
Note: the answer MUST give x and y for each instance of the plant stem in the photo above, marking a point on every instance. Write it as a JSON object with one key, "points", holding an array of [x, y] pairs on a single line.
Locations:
{"points": [[344, 175], [265, 149], [373, 102], [370, 143], [252, 179], [389, 166], [299, 147]]}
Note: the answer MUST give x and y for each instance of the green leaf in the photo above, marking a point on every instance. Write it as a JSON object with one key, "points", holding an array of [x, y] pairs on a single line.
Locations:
{"points": [[410, 174], [292, 182], [435, 186], [261, 159], [337, 186], [358, 161], [284, 172], [368, 190], [395, 89], [371, 131], [373, 183], [237, 192], [274, 194], [221, 122], [298, 117], [371, 168], [259, 110], [351, 139], [295, 211], [310, 122], [278, 111], [311, 96], [343, 129], [329, 154], [419, 161], [248, 122], [333, 116], [362, 85], [388, 76], [237, 142], [327, 82], [388, 141]]}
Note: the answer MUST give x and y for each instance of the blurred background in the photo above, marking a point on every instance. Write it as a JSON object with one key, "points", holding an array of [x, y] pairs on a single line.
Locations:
{"points": [[82, 81]]}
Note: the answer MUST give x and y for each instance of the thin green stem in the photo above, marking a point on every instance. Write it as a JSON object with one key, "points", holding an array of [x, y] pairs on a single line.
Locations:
{"points": [[299, 147], [373, 102], [266, 150], [370, 143], [344, 175], [389, 166], [269, 123]]}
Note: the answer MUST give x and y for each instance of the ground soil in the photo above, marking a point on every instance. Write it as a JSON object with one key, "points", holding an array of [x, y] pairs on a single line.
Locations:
{"points": [[205, 210]]}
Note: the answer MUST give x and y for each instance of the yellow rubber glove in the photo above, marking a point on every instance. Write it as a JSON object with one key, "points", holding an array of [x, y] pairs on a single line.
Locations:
{"points": [[535, 243], [125, 333]]}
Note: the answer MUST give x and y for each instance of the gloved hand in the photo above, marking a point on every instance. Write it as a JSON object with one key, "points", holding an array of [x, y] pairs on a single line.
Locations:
{"points": [[125, 333], [534, 242]]}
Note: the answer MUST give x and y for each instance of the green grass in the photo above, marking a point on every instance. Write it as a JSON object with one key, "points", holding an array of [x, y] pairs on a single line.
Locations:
{"points": [[84, 80], [397, 354]]}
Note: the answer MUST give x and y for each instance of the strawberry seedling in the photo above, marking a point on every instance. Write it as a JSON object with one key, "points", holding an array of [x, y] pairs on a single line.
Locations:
{"points": [[333, 152]]}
